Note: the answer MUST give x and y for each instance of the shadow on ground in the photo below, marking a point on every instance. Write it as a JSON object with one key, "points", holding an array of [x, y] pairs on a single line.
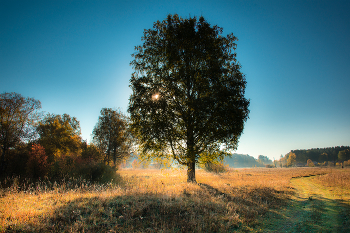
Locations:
{"points": [[197, 210], [314, 214]]}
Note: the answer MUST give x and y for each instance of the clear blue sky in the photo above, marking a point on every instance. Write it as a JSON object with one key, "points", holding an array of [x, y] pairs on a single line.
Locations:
{"points": [[74, 57]]}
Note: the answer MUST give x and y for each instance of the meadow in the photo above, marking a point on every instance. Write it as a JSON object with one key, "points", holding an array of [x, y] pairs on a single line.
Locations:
{"points": [[146, 200]]}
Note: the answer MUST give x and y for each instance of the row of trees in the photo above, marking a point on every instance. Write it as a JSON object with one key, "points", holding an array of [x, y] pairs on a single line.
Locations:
{"points": [[320, 156], [294, 158], [240, 161], [37, 145], [187, 102]]}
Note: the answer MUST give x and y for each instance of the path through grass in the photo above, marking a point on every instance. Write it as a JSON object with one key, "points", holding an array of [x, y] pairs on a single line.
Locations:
{"points": [[313, 208]]}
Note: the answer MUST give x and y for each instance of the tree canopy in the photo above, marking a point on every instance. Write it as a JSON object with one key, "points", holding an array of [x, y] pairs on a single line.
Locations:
{"points": [[59, 134], [18, 116], [264, 160], [187, 98], [111, 135], [344, 155], [291, 159]]}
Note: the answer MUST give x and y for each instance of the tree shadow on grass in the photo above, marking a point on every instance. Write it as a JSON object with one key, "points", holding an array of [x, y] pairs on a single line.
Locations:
{"points": [[197, 210], [250, 202], [314, 214], [134, 214]]}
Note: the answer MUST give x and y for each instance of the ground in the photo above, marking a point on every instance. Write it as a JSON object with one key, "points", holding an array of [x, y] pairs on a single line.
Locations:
{"points": [[313, 208], [239, 200]]}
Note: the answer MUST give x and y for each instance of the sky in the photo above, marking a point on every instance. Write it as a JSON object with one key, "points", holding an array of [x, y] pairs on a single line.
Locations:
{"points": [[74, 57]]}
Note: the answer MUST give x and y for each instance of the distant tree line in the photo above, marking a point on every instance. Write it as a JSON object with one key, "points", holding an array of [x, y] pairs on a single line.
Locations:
{"points": [[330, 156], [317, 157], [241, 161], [37, 145]]}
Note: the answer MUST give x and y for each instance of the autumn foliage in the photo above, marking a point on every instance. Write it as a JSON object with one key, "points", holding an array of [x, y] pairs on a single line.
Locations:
{"points": [[310, 163], [37, 164], [49, 147]]}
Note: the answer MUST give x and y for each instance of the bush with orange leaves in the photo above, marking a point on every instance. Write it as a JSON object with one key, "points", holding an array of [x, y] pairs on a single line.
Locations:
{"points": [[37, 165]]}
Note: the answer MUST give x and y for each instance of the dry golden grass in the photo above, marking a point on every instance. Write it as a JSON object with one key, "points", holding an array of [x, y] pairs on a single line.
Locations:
{"points": [[337, 181], [154, 201], [336, 178]]}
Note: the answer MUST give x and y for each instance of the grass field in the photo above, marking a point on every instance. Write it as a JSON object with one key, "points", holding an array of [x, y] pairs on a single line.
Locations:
{"points": [[240, 200]]}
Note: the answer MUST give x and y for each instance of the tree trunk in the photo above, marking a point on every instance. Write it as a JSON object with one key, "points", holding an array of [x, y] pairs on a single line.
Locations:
{"points": [[191, 156], [191, 172], [114, 157], [2, 160]]}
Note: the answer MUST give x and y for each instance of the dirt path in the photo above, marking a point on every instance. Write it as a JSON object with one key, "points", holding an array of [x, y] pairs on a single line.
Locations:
{"points": [[312, 209]]}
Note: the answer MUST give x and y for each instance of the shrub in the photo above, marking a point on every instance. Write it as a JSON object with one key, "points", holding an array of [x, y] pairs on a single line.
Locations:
{"points": [[37, 165], [347, 163], [96, 172], [63, 167], [310, 163], [135, 164], [91, 152], [16, 161], [330, 164], [73, 166], [215, 167]]}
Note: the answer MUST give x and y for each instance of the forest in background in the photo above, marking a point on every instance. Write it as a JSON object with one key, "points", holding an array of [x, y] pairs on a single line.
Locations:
{"points": [[241, 161], [321, 154], [330, 156]]}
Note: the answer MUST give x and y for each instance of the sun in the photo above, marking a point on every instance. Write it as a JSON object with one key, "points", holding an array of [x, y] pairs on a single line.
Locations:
{"points": [[155, 96]]}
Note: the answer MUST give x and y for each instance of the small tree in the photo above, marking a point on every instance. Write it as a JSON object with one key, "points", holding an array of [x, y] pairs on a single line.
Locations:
{"points": [[135, 164], [291, 159], [274, 162], [264, 160], [347, 163], [283, 160], [37, 165], [59, 135], [111, 135], [187, 96], [218, 167], [310, 163], [91, 152], [344, 155]]}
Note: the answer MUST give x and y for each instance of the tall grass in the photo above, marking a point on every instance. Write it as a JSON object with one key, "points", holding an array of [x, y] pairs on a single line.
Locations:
{"points": [[337, 181], [12, 185], [149, 201], [336, 178]]}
